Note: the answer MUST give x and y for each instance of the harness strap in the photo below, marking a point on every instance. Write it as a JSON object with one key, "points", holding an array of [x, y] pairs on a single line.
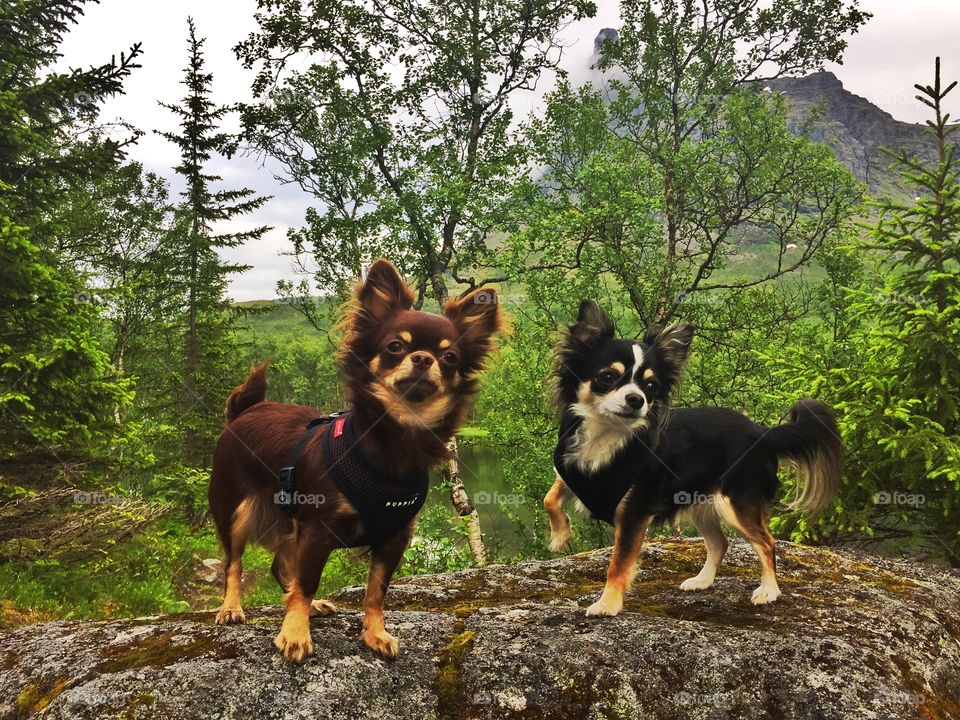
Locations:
{"points": [[286, 479]]}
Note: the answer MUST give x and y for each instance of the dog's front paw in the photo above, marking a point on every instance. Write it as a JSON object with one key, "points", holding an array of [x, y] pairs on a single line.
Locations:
{"points": [[322, 607], [696, 583], [295, 645], [559, 539], [605, 606], [765, 594], [381, 642], [230, 616]]}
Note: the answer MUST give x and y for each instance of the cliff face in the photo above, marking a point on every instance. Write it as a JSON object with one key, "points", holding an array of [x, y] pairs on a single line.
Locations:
{"points": [[852, 126], [852, 637], [855, 128]]}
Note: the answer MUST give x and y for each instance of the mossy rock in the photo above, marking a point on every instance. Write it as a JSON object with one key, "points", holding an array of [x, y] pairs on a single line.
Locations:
{"points": [[853, 636]]}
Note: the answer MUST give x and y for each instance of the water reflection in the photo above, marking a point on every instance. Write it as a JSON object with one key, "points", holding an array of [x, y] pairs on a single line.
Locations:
{"points": [[482, 470]]}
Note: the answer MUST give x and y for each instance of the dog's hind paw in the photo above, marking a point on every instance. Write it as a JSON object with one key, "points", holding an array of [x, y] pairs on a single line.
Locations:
{"points": [[559, 540], [230, 616], [322, 607], [765, 594], [696, 583], [382, 643]]}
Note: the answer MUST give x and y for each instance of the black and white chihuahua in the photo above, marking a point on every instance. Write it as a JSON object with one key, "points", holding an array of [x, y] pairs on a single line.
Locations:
{"points": [[631, 460]]}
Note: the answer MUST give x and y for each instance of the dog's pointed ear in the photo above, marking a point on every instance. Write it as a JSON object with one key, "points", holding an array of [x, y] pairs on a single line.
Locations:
{"points": [[477, 317], [672, 344], [383, 292], [592, 324]]}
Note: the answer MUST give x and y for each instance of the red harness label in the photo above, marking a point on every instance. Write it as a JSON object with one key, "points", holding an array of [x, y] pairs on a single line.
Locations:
{"points": [[338, 426]]}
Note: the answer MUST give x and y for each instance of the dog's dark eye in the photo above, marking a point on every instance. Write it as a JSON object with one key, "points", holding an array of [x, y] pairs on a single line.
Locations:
{"points": [[394, 346], [651, 386], [450, 358], [607, 377]]}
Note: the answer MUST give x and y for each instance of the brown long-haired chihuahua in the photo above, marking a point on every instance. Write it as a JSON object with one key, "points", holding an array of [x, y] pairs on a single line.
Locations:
{"points": [[410, 376]]}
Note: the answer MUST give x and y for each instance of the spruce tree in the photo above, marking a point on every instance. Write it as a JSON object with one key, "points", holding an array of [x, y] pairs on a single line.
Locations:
{"points": [[894, 375], [58, 389], [208, 342], [914, 349], [920, 243], [43, 111]]}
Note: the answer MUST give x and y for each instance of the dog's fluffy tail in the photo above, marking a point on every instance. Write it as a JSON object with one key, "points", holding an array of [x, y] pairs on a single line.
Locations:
{"points": [[812, 441], [252, 391]]}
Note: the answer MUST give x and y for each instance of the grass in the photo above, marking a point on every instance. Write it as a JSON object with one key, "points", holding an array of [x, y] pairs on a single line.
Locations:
{"points": [[156, 571], [272, 317], [473, 433], [138, 577]]}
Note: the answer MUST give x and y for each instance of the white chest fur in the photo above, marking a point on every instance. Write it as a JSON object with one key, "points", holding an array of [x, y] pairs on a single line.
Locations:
{"points": [[597, 441]]}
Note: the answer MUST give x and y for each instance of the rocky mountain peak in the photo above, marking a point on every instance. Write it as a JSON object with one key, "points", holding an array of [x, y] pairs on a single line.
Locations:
{"points": [[854, 128], [823, 81], [610, 34]]}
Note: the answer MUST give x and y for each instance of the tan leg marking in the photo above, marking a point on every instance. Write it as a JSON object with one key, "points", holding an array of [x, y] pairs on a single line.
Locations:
{"points": [[383, 562], [623, 566], [753, 527], [559, 522], [231, 610], [707, 522], [294, 640], [375, 634]]}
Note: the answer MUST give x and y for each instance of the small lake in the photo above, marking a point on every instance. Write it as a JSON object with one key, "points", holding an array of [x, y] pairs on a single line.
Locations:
{"points": [[481, 469]]}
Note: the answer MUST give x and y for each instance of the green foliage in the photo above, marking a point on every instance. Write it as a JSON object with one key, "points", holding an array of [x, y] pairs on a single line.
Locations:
{"points": [[42, 112], [58, 390], [893, 373], [651, 210], [122, 230], [412, 165], [302, 367], [208, 369], [134, 580], [722, 160], [440, 543]]}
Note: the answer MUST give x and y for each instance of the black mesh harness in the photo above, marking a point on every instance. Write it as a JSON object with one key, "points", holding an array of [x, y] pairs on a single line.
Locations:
{"points": [[386, 503]]}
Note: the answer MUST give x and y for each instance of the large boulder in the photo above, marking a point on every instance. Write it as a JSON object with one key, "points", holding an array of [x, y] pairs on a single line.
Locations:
{"points": [[853, 636]]}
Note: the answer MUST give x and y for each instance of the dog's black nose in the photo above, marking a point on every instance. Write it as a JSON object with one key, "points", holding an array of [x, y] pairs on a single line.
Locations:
{"points": [[635, 400], [422, 360]]}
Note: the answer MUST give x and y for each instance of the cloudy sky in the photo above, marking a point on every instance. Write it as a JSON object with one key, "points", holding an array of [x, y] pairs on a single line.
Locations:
{"points": [[893, 51]]}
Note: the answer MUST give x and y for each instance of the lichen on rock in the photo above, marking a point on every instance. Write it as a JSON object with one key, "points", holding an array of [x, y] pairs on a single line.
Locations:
{"points": [[853, 636]]}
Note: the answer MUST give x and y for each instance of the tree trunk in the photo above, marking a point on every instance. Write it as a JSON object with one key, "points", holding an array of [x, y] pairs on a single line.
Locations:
{"points": [[465, 508], [664, 300], [117, 414], [190, 375]]}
